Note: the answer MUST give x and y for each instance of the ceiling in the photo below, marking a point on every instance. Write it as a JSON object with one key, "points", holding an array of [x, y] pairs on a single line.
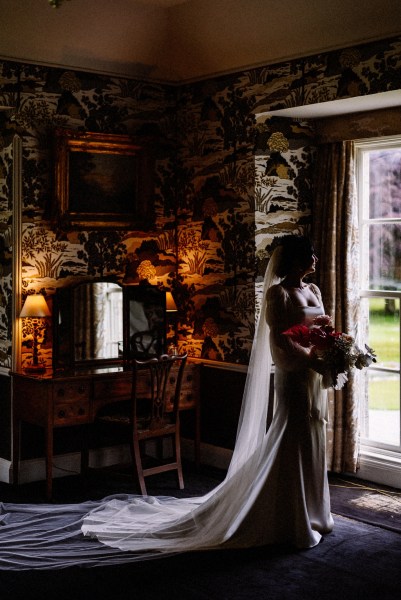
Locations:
{"points": [[184, 40]]}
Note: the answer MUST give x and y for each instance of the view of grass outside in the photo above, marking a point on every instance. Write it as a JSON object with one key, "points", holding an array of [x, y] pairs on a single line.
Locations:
{"points": [[384, 387]]}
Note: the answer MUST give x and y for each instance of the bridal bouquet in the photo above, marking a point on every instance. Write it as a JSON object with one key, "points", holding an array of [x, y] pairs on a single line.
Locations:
{"points": [[336, 353]]}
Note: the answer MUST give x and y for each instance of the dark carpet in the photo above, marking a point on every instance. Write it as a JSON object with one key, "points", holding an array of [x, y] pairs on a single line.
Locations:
{"points": [[357, 560]]}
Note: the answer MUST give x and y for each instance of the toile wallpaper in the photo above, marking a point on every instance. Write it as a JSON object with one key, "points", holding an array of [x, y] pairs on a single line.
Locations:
{"points": [[228, 179]]}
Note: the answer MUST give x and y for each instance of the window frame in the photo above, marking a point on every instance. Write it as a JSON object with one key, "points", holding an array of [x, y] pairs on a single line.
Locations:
{"points": [[375, 456]]}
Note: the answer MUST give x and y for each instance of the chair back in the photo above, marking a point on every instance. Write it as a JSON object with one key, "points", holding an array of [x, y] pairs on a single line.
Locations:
{"points": [[146, 344], [163, 383]]}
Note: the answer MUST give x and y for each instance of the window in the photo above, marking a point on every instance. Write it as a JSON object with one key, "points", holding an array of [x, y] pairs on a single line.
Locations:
{"points": [[379, 189]]}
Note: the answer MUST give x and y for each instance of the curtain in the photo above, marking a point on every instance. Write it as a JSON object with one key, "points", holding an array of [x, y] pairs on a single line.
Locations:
{"points": [[335, 233], [89, 317]]}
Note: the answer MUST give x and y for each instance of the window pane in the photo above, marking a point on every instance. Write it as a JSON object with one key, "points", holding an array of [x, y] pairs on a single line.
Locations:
{"points": [[382, 420], [385, 183], [384, 331], [385, 256]]}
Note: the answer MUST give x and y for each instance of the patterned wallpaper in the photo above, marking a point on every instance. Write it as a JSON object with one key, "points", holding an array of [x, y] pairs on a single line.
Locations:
{"points": [[228, 180]]}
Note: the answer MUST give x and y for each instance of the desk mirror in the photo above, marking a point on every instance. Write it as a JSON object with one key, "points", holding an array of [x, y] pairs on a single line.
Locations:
{"points": [[144, 321], [88, 324], [99, 322]]}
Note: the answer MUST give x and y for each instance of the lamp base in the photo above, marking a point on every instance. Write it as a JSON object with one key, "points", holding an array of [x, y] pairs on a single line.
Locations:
{"points": [[34, 369]]}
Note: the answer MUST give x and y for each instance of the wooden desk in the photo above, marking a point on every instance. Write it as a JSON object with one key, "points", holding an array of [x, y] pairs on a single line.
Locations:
{"points": [[63, 400]]}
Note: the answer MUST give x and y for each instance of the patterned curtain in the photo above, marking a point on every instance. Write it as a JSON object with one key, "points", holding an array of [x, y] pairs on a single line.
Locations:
{"points": [[89, 318], [335, 233]]}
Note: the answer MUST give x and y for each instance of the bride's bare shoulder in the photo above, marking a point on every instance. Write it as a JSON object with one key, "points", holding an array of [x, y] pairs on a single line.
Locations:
{"points": [[314, 288], [276, 294], [276, 290]]}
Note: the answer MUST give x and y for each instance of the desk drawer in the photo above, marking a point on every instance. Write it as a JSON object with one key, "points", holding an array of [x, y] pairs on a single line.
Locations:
{"points": [[71, 404], [189, 389], [70, 413], [112, 389], [71, 391]]}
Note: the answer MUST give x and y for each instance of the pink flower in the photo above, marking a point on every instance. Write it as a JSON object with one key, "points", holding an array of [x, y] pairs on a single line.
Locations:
{"points": [[323, 320]]}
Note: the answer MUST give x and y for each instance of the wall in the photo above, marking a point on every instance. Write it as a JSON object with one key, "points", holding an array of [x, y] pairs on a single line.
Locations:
{"points": [[231, 176]]}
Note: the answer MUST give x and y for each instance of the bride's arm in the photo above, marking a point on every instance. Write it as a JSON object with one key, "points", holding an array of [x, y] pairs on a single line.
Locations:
{"points": [[278, 315]]}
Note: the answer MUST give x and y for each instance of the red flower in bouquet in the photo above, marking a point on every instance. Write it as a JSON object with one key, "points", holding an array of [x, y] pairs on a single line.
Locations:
{"points": [[337, 352], [300, 334]]}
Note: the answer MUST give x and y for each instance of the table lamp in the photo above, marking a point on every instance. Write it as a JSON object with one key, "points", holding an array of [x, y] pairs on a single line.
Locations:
{"points": [[35, 308], [170, 303], [171, 307]]}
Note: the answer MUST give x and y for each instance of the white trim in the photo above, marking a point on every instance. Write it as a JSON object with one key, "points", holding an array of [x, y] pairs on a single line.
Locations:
{"points": [[384, 142], [212, 456], [5, 470], [377, 463], [66, 464], [70, 463], [380, 468]]}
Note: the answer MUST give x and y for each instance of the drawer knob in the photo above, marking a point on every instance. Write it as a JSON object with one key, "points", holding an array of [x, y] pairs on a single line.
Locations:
{"points": [[61, 392], [81, 411], [61, 414]]}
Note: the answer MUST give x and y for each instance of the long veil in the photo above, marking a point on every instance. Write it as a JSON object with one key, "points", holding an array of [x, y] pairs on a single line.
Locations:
{"points": [[171, 525], [148, 526]]}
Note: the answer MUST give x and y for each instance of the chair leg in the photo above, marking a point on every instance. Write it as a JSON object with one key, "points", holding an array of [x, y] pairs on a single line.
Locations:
{"points": [[85, 445], [138, 465], [178, 460]]}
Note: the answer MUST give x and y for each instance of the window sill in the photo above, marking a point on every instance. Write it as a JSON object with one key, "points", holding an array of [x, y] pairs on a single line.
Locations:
{"points": [[380, 466]]}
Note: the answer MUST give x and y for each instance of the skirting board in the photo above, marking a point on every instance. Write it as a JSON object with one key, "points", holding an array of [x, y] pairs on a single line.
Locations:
{"points": [[372, 468], [380, 469], [69, 464]]}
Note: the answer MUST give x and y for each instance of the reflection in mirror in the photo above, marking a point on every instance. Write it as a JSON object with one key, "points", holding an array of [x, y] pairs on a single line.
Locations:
{"points": [[87, 324], [145, 309], [98, 331]]}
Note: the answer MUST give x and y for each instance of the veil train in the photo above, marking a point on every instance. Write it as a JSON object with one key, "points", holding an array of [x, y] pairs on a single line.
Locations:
{"points": [[122, 528]]}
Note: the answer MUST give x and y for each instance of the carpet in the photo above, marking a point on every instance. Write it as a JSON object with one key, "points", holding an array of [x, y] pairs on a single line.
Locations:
{"points": [[367, 502], [356, 561]]}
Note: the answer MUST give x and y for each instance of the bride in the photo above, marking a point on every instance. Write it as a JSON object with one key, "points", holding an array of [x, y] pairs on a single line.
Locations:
{"points": [[276, 488]]}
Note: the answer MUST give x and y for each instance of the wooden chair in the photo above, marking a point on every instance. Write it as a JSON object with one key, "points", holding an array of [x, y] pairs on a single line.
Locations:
{"points": [[154, 413]]}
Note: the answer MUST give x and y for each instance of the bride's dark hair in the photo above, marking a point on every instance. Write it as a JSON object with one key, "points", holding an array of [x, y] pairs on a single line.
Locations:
{"points": [[297, 248]]}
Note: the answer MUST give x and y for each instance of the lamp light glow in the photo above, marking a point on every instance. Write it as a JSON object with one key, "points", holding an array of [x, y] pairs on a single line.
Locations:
{"points": [[35, 308], [170, 303]]}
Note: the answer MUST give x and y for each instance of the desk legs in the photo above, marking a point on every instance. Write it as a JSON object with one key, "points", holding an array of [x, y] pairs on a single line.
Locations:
{"points": [[16, 450], [49, 462], [16, 456], [197, 435]]}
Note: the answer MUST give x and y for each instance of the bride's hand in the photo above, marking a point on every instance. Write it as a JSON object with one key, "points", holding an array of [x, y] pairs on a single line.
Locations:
{"points": [[315, 362]]}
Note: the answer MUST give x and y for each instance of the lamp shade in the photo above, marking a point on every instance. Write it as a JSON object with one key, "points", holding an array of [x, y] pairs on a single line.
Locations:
{"points": [[35, 306], [170, 304]]}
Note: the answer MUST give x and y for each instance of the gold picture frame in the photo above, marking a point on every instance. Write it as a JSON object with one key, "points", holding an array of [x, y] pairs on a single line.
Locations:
{"points": [[102, 181]]}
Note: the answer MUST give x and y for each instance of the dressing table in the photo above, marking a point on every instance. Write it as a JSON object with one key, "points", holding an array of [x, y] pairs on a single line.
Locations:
{"points": [[95, 336], [54, 400]]}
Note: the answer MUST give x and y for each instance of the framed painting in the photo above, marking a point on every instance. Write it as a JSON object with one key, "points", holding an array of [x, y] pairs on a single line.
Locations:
{"points": [[102, 181]]}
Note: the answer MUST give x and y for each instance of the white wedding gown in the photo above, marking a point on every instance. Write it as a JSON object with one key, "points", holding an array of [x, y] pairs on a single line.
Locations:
{"points": [[275, 491], [278, 495]]}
